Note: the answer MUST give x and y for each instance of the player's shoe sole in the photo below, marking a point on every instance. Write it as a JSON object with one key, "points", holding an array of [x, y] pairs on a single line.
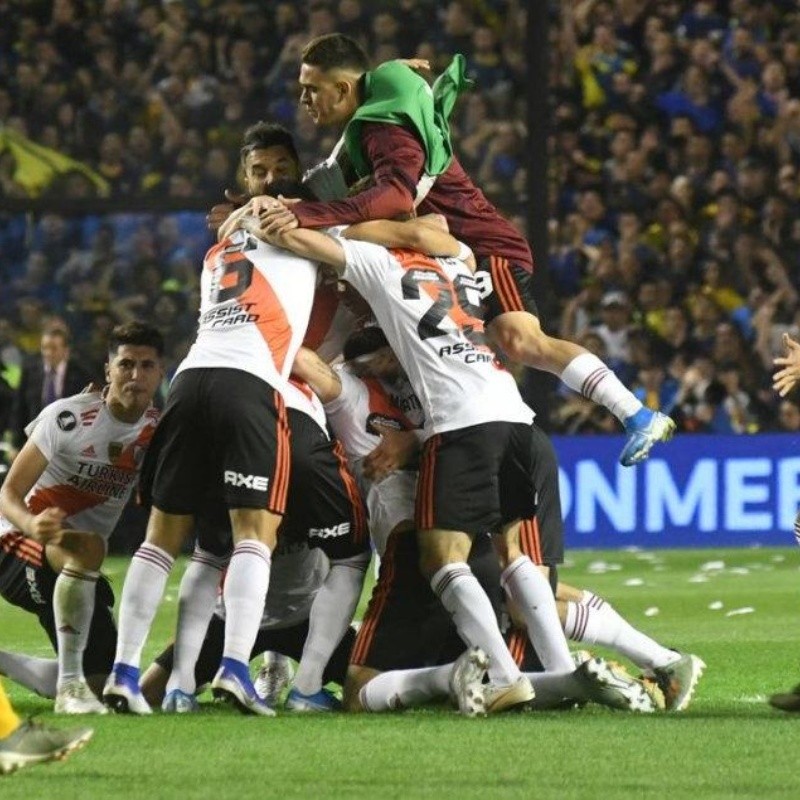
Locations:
{"points": [[610, 685], [239, 691], [466, 682], [122, 693], [679, 680], [33, 743], [640, 442]]}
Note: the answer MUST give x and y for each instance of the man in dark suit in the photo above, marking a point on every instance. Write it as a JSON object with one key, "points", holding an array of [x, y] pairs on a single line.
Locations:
{"points": [[45, 378]]}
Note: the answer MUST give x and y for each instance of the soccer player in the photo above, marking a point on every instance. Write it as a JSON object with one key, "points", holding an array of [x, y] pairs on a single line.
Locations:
{"points": [[62, 498], [23, 744], [396, 131], [405, 627], [224, 439], [298, 575], [324, 503], [476, 426]]}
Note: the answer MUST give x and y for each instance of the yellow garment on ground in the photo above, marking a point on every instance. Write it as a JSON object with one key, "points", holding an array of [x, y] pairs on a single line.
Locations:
{"points": [[9, 721]]}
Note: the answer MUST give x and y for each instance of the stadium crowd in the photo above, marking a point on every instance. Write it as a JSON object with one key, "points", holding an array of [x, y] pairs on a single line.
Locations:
{"points": [[674, 152]]}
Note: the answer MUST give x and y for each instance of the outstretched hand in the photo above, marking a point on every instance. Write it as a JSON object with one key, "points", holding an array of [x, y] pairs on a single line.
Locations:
{"points": [[784, 380]]}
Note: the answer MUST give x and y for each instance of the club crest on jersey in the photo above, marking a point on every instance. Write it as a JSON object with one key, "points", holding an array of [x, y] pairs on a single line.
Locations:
{"points": [[115, 451], [66, 421]]}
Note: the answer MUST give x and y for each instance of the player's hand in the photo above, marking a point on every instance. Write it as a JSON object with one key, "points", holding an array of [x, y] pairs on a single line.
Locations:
{"points": [[784, 380], [220, 212], [395, 451], [417, 64], [46, 525], [278, 219]]}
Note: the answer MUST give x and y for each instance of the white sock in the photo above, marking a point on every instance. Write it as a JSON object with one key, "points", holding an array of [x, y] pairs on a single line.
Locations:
{"points": [[331, 613], [405, 688], [552, 689], [196, 600], [73, 607], [596, 622], [532, 593], [244, 594], [141, 593], [589, 376], [474, 618], [40, 675]]}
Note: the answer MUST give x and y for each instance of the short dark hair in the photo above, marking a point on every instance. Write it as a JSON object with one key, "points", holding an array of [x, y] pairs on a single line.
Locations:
{"points": [[138, 334], [267, 134], [290, 188], [364, 342], [335, 50]]}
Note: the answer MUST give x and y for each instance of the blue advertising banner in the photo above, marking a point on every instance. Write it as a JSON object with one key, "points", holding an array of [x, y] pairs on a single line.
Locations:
{"points": [[696, 491]]}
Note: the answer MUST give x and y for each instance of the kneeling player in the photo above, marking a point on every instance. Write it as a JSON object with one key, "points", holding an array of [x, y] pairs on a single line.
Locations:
{"points": [[62, 498]]}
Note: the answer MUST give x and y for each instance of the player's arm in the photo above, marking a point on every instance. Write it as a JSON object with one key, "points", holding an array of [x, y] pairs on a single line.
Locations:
{"points": [[398, 160], [309, 367], [413, 234], [313, 245], [27, 468], [786, 378], [233, 221]]}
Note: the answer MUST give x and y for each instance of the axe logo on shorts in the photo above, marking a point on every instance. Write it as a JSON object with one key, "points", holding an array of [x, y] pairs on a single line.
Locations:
{"points": [[258, 483], [342, 529]]}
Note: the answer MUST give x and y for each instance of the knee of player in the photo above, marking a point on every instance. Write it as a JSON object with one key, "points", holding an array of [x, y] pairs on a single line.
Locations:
{"points": [[519, 335], [82, 550]]}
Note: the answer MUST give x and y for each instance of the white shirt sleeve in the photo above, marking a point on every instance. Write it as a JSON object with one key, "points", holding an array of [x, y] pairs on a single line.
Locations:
{"points": [[45, 432], [367, 266]]}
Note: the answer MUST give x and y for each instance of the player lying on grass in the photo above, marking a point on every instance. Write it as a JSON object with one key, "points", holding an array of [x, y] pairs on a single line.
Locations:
{"points": [[405, 627], [61, 500]]}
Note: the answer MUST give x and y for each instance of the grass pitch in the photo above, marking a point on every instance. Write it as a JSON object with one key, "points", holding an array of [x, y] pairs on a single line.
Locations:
{"points": [[737, 609]]}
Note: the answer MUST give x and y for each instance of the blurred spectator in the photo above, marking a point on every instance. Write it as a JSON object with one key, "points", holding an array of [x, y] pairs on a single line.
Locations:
{"points": [[45, 378]]}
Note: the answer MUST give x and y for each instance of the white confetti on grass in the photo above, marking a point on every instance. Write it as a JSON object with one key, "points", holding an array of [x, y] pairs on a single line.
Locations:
{"points": [[698, 579], [736, 612], [778, 558], [634, 582], [710, 566], [652, 611], [739, 571], [716, 605], [600, 567], [752, 699]]}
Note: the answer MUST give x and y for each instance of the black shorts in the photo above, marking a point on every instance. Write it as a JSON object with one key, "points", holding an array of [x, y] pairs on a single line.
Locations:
{"points": [[288, 641], [477, 479], [504, 287], [325, 505], [27, 581], [405, 625], [224, 432], [542, 536]]}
